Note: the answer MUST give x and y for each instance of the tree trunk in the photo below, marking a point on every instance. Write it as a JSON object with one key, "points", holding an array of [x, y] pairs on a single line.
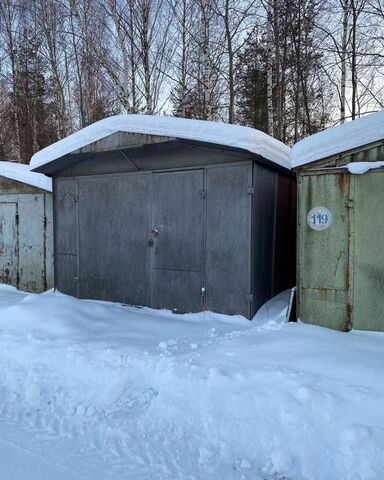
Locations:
{"points": [[270, 61], [145, 46], [124, 54], [276, 35], [207, 111], [353, 59], [344, 42], [133, 56], [231, 80]]}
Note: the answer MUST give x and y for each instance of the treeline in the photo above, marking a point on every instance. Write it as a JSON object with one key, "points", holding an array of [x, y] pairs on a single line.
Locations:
{"points": [[287, 67]]}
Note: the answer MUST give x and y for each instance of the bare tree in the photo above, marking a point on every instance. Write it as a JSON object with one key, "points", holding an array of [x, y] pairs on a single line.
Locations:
{"points": [[237, 18], [51, 20], [9, 30], [67, 63]]}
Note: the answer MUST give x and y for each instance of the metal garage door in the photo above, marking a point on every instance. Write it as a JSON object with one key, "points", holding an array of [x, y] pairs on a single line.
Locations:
{"points": [[8, 244], [176, 240], [228, 241], [367, 268], [324, 251], [113, 228]]}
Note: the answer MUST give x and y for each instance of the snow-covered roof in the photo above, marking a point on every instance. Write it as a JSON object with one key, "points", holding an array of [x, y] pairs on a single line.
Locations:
{"points": [[22, 173], [199, 130], [339, 139]]}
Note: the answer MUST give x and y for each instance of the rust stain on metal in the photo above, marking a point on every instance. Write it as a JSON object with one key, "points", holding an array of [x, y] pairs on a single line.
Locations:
{"points": [[323, 292], [349, 274], [45, 253], [349, 322], [338, 259], [343, 182]]}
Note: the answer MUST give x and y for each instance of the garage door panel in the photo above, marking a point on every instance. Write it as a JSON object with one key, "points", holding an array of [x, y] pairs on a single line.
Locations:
{"points": [[324, 257], [178, 241], [368, 258], [113, 229], [228, 240], [9, 251]]}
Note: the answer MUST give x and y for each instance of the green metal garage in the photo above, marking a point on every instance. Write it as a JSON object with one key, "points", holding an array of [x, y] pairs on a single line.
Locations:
{"points": [[340, 273]]}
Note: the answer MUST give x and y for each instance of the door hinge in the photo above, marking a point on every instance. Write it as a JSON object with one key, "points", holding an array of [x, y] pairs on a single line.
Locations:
{"points": [[250, 297], [203, 193], [251, 190], [76, 280], [349, 203]]}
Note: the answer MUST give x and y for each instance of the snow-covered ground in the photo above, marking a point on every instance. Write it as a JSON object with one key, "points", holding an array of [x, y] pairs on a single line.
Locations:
{"points": [[92, 390]]}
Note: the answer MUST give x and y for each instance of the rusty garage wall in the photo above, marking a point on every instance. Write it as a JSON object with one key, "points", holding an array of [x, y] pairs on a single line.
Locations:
{"points": [[26, 243], [341, 262]]}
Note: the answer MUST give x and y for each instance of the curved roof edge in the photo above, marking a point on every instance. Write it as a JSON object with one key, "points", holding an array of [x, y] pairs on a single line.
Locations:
{"points": [[224, 134], [22, 173], [360, 132]]}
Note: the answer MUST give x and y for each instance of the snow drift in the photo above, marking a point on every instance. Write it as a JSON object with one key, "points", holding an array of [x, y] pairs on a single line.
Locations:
{"points": [[199, 396]]}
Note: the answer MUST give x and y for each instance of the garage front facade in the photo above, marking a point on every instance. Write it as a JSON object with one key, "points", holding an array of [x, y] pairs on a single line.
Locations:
{"points": [[26, 244], [340, 274], [170, 223]]}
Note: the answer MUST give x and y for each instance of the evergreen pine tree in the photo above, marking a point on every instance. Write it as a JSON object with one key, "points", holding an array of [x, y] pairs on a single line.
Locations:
{"points": [[251, 78]]}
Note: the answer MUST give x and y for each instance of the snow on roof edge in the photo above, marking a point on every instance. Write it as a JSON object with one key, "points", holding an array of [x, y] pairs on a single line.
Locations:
{"points": [[339, 139], [22, 173], [224, 134]]}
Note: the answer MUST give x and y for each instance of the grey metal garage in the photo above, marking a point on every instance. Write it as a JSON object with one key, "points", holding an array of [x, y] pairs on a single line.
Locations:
{"points": [[172, 213], [26, 246]]}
